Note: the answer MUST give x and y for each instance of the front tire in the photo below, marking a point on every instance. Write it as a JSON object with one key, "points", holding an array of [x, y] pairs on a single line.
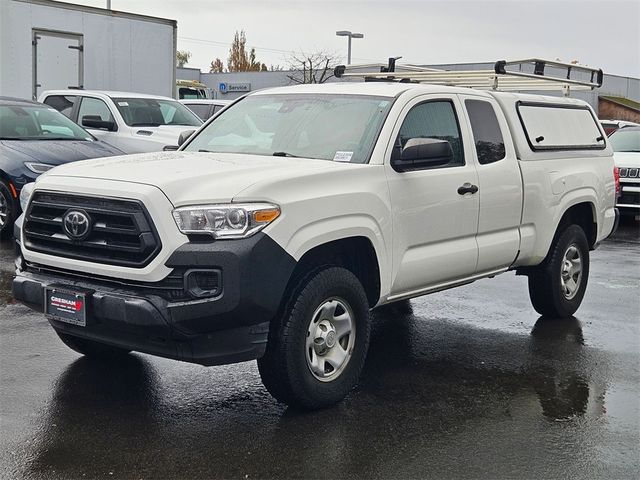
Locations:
{"points": [[557, 286], [90, 348], [7, 210], [317, 349]]}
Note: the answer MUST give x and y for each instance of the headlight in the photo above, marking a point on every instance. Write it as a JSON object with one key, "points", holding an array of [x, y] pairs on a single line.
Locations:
{"points": [[226, 221], [25, 195], [38, 168]]}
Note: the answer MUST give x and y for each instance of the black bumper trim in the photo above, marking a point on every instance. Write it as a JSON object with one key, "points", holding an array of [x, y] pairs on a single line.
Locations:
{"points": [[140, 324], [228, 328]]}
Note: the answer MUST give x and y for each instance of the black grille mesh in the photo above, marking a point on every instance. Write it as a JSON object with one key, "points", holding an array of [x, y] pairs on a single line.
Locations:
{"points": [[121, 234]]}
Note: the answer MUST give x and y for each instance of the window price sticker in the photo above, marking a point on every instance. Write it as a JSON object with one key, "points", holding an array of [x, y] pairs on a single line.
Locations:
{"points": [[342, 156]]}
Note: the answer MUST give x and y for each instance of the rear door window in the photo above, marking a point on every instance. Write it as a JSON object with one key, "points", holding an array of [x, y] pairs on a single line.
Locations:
{"points": [[486, 131], [560, 127], [62, 103]]}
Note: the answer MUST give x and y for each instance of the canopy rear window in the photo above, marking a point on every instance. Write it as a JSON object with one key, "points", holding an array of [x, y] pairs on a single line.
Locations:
{"points": [[560, 127]]}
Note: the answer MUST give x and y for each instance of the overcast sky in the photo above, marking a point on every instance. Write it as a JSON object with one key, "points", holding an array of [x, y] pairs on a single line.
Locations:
{"points": [[602, 33]]}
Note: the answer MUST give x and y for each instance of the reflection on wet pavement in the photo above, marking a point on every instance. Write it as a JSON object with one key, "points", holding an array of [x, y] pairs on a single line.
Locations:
{"points": [[103, 415]]}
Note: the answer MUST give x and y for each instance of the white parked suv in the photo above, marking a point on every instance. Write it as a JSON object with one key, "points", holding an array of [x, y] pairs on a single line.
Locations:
{"points": [[626, 155], [133, 122], [280, 224]]}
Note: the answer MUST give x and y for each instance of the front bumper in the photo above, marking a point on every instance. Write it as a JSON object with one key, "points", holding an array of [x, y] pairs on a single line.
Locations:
{"points": [[629, 200], [231, 327]]}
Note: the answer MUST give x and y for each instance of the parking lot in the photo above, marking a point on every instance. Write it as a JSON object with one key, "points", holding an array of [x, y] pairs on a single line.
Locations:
{"points": [[468, 384]]}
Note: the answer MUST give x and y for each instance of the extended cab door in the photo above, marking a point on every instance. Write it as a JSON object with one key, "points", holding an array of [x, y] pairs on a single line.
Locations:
{"points": [[434, 226], [499, 182]]}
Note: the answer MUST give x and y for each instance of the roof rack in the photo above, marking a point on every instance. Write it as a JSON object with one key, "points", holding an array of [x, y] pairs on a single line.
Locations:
{"points": [[515, 75]]}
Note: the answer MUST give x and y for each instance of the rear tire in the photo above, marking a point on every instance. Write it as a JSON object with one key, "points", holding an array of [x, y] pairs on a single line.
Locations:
{"points": [[7, 210], [90, 348], [317, 349], [557, 286]]}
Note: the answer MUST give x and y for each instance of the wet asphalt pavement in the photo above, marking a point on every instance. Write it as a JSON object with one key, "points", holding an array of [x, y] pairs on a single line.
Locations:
{"points": [[470, 383]]}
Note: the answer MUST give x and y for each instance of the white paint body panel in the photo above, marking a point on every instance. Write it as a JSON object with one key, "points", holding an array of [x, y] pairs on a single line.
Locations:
{"points": [[434, 228], [425, 235]]}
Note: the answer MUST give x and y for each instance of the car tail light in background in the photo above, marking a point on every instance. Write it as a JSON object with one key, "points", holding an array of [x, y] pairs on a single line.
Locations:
{"points": [[616, 177]]}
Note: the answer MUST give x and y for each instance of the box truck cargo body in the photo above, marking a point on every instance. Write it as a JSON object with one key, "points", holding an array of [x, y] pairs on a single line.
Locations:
{"points": [[47, 45]]}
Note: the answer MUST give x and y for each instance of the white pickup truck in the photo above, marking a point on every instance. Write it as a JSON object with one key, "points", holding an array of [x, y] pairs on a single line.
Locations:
{"points": [[133, 122], [279, 224]]}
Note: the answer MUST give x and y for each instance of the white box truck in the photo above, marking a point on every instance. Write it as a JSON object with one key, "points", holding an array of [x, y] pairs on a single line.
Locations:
{"points": [[46, 45]]}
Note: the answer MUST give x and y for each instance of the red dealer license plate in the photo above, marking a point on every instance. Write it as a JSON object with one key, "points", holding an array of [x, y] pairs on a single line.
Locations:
{"points": [[66, 306]]}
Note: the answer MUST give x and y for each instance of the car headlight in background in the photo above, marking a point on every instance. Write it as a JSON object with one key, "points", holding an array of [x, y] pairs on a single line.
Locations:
{"points": [[25, 195], [226, 221], [38, 168]]}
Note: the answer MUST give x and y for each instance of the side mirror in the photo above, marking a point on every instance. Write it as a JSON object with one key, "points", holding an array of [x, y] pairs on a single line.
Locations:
{"points": [[420, 153], [94, 121], [184, 136]]}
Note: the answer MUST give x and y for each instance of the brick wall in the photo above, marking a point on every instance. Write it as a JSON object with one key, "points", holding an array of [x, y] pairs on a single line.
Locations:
{"points": [[609, 110]]}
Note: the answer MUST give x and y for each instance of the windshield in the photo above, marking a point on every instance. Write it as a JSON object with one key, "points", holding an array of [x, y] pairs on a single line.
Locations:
{"points": [[36, 122], [329, 127], [191, 92], [152, 112], [625, 140]]}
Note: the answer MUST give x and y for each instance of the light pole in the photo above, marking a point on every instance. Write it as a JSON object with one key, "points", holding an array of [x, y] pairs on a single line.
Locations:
{"points": [[350, 35]]}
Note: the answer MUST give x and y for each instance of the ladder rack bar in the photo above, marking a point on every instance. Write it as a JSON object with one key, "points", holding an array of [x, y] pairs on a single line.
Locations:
{"points": [[502, 77]]}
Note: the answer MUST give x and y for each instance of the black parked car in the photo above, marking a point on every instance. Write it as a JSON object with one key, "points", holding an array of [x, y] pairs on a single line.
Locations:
{"points": [[33, 139]]}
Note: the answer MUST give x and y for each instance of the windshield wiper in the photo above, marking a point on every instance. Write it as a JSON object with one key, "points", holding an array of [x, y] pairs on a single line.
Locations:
{"points": [[285, 154], [145, 124], [206, 151], [55, 138]]}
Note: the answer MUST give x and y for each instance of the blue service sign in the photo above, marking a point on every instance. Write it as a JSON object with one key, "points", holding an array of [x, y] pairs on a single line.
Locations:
{"points": [[224, 87]]}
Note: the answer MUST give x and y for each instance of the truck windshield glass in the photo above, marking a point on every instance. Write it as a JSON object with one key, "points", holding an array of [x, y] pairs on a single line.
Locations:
{"points": [[321, 126], [26, 122], [626, 140], [152, 112]]}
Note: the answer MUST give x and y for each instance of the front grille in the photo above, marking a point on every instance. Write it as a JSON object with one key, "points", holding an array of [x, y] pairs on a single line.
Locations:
{"points": [[629, 198], [629, 172], [121, 231]]}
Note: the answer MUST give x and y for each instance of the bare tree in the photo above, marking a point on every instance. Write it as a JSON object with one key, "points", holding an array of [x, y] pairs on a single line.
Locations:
{"points": [[217, 66], [182, 58], [311, 67]]}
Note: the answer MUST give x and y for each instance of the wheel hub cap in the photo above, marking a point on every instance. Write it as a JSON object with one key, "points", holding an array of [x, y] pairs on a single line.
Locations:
{"points": [[330, 339], [571, 273]]}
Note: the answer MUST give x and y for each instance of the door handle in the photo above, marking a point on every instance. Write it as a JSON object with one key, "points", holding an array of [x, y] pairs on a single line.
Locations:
{"points": [[467, 188]]}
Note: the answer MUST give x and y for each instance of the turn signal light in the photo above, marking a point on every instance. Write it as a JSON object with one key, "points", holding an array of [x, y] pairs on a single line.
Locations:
{"points": [[266, 216]]}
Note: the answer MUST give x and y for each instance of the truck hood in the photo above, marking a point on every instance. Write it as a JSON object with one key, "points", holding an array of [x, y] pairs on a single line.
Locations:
{"points": [[627, 159], [189, 178]]}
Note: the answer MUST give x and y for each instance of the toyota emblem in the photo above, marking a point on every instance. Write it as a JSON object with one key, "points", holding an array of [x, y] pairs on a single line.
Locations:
{"points": [[76, 224]]}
